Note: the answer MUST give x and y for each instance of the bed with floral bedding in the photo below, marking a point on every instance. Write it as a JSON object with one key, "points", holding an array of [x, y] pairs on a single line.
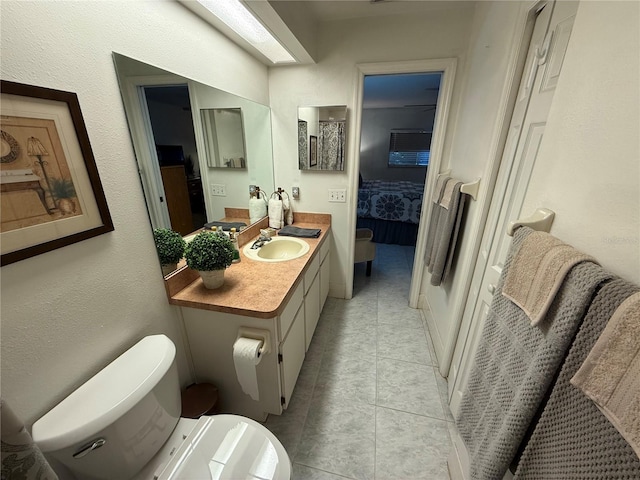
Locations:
{"points": [[391, 210]]}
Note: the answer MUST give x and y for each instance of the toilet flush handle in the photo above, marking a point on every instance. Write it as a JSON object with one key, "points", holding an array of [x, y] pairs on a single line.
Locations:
{"points": [[89, 448]]}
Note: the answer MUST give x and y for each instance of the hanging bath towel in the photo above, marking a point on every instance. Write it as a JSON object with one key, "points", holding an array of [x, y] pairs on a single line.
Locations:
{"points": [[571, 428], [515, 364], [276, 213], [448, 226]]}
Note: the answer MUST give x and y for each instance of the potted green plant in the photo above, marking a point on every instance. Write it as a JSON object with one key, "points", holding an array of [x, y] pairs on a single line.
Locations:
{"points": [[170, 247], [210, 254], [63, 192]]}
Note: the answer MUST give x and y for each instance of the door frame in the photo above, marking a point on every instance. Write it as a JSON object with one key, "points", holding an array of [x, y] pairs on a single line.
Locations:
{"points": [[446, 66], [137, 111]]}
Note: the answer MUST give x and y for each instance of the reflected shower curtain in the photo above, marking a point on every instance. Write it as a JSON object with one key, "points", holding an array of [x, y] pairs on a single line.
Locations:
{"points": [[332, 141]]}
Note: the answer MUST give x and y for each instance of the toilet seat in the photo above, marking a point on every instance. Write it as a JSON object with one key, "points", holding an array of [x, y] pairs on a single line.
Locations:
{"points": [[228, 447]]}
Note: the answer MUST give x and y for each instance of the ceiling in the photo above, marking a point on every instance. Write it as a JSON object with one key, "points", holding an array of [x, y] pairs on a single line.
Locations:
{"points": [[332, 10], [401, 91]]}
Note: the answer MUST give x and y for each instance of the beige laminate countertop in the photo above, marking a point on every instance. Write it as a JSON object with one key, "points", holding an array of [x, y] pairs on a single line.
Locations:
{"points": [[253, 288]]}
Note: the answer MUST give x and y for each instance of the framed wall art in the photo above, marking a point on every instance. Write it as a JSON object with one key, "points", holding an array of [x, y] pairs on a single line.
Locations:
{"points": [[50, 191], [313, 150]]}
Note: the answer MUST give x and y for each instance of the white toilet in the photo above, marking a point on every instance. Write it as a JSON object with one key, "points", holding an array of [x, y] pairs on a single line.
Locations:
{"points": [[124, 423]]}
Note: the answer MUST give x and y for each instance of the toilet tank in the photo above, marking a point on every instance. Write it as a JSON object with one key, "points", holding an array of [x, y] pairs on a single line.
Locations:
{"points": [[111, 426]]}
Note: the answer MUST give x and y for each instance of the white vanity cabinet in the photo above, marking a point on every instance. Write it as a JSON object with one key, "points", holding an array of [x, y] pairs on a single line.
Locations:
{"points": [[311, 299], [211, 334], [291, 345], [316, 286], [325, 271]]}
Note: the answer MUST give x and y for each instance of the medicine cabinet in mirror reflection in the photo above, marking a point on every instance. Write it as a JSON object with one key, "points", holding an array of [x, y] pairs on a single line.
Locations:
{"points": [[224, 137], [322, 137]]}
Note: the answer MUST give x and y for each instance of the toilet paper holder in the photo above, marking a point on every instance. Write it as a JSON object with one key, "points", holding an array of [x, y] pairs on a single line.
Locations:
{"points": [[257, 334]]}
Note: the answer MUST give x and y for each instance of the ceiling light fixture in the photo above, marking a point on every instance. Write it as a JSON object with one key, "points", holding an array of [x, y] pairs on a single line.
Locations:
{"points": [[236, 16]]}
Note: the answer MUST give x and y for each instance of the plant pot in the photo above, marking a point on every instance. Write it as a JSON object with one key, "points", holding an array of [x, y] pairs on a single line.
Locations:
{"points": [[212, 278], [168, 268], [66, 206]]}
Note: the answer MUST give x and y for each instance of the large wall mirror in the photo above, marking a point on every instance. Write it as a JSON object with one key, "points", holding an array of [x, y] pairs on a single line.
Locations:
{"points": [[174, 121], [322, 137]]}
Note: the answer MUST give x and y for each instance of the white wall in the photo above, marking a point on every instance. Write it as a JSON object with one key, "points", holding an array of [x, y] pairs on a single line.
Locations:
{"points": [[67, 313], [256, 120], [588, 169], [377, 124], [474, 142], [342, 45]]}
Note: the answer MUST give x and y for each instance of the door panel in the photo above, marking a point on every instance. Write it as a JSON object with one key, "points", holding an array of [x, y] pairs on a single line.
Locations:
{"points": [[542, 69]]}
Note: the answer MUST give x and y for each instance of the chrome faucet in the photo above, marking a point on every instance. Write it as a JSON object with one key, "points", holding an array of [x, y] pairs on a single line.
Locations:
{"points": [[260, 242]]}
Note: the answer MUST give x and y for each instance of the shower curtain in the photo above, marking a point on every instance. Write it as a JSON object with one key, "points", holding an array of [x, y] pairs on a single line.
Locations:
{"points": [[331, 145]]}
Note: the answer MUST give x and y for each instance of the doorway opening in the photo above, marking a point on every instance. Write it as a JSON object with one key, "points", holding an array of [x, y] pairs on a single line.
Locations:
{"points": [[398, 116], [169, 110], [435, 103]]}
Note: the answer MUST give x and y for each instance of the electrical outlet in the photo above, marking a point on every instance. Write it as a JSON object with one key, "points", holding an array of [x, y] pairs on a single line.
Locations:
{"points": [[218, 190], [338, 195], [295, 192]]}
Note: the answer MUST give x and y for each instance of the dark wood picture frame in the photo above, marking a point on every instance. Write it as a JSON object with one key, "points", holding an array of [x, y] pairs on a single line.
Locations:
{"points": [[29, 243], [313, 150]]}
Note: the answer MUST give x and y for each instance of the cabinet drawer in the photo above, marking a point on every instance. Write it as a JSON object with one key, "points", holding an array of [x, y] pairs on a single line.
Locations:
{"points": [[289, 312], [310, 274]]}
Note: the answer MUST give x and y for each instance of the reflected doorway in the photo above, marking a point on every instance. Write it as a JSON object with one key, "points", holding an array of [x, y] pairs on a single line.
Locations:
{"points": [[169, 110]]}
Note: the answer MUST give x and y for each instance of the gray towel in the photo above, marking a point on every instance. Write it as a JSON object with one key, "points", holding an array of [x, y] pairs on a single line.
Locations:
{"points": [[226, 225], [452, 208], [514, 365], [21, 457], [573, 439], [290, 231], [432, 225]]}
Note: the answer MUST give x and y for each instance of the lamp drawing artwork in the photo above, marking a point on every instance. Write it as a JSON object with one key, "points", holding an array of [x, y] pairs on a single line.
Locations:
{"points": [[36, 149]]}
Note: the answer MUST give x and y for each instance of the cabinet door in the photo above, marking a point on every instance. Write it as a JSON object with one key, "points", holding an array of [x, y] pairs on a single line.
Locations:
{"points": [[292, 351], [325, 273], [175, 189], [311, 310]]}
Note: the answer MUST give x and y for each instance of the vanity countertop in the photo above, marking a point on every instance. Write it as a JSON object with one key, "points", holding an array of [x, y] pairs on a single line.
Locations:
{"points": [[252, 288]]}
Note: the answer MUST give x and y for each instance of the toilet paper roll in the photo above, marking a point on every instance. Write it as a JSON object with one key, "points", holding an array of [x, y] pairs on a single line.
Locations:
{"points": [[245, 359]]}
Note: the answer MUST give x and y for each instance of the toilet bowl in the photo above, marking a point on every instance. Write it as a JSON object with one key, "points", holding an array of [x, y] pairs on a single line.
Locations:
{"points": [[124, 424]]}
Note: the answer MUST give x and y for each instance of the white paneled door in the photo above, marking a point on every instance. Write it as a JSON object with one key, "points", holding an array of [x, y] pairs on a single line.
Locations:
{"points": [[542, 69]]}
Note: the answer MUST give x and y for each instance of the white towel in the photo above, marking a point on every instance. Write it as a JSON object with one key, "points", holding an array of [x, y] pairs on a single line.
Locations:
{"points": [[257, 209], [276, 213], [288, 211]]}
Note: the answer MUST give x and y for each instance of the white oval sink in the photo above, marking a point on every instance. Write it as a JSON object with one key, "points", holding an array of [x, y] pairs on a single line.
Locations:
{"points": [[279, 249]]}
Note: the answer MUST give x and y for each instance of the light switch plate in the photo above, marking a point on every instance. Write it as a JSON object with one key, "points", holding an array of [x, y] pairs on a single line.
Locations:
{"points": [[295, 192], [218, 190], [338, 195]]}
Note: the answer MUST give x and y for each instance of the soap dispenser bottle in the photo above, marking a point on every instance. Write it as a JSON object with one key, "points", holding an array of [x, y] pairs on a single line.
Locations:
{"points": [[234, 240]]}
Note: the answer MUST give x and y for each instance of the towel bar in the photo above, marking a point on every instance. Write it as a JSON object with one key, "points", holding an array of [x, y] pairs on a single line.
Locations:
{"points": [[541, 221], [471, 189]]}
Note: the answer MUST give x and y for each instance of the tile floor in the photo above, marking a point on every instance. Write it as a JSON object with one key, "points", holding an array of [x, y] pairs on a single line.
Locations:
{"points": [[369, 402]]}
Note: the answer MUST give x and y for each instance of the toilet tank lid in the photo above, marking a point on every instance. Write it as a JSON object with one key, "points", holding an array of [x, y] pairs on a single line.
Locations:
{"points": [[106, 396]]}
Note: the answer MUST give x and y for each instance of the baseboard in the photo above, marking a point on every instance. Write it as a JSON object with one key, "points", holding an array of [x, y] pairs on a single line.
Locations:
{"points": [[458, 460]]}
